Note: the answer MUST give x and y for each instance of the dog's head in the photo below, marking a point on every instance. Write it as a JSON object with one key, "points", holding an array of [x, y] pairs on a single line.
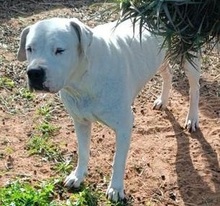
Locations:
{"points": [[53, 49]]}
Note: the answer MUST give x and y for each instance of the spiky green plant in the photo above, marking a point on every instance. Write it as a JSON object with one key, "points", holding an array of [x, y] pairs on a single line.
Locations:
{"points": [[185, 24]]}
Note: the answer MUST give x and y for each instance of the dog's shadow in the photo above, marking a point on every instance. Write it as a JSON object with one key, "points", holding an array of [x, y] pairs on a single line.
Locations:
{"points": [[197, 186]]}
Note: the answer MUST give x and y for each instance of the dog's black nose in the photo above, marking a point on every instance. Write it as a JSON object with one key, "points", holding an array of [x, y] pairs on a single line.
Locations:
{"points": [[36, 77], [36, 74]]}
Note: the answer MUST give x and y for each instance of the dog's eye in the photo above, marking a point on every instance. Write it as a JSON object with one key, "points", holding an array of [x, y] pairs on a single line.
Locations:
{"points": [[29, 49], [59, 51]]}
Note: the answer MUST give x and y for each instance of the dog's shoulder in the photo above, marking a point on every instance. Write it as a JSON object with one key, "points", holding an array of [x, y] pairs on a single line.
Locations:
{"points": [[105, 30]]}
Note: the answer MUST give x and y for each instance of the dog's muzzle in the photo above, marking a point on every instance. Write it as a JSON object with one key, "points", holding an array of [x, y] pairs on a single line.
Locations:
{"points": [[36, 78]]}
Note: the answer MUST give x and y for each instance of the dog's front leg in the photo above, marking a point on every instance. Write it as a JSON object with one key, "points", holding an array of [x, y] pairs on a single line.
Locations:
{"points": [[115, 191], [83, 132]]}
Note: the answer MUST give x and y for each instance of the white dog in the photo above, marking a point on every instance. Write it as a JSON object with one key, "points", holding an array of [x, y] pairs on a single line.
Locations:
{"points": [[98, 73]]}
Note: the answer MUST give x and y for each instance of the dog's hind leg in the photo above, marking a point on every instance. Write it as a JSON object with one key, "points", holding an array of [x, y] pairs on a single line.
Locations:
{"points": [[193, 74], [162, 101], [83, 132]]}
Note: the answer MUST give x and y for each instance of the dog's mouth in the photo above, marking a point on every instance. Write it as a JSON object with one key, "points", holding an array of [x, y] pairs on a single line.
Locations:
{"points": [[36, 87]]}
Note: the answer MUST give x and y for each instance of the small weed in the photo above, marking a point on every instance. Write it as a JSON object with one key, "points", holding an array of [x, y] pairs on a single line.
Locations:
{"points": [[63, 167], [85, 197], [47, 129], [26, 94], [45, 111], [149, 203], [44, 147], [6, 83], [205, 60], [7, 103], [40, 143], [9, 150]]}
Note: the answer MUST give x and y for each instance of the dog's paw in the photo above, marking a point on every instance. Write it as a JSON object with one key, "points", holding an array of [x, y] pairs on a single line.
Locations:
{"points": [[192, 124], [159, 104], [115, 195], [73, 180]]}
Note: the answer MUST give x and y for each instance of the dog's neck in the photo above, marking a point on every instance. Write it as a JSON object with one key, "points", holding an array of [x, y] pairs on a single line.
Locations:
{"points": [[74, 85]]}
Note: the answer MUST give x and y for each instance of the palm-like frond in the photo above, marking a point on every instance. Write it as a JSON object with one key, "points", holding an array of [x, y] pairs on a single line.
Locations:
{"points": [[185, 24]]}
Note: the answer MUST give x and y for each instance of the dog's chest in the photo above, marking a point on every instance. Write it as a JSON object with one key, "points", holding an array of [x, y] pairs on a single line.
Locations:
{"points": [[80, 107]]}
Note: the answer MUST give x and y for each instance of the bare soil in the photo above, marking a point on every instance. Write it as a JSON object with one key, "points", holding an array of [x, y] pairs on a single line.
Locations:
{"points": [[166, 165]]}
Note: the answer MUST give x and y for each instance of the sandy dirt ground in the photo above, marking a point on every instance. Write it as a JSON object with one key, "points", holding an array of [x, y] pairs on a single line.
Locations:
{"points": [[166, 165]]}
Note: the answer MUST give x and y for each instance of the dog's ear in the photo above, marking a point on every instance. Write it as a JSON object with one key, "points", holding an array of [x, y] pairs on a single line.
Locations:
{"points": [[84, 34], [21, 55]]}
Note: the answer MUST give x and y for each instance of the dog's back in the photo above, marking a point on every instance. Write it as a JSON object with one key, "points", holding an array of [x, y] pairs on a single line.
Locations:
{"points": [[141, 55]]}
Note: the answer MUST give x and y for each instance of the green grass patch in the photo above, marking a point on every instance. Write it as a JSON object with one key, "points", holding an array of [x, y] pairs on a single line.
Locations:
{"points": [[85, 197], [47, 129], [23, 194], [45, 111], [63, 168], [6, 82], [40, 143], [26, 94], [43, 146]]}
